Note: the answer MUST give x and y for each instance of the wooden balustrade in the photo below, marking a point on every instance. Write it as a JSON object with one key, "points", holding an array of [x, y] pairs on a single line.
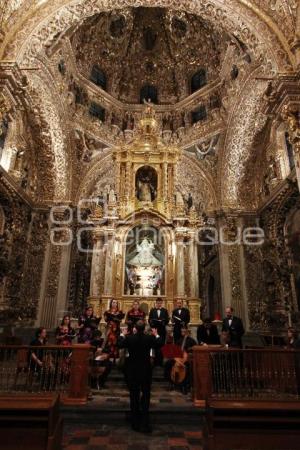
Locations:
{"points": [[251, 373], [65, 369], [250, 397]]}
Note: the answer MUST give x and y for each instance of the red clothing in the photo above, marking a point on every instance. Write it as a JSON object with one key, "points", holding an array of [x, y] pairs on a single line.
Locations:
{"points": [[113, 320]]}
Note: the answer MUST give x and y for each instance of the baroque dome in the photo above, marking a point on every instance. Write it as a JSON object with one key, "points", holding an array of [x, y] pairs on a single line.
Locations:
{"points": [[155, 49]]}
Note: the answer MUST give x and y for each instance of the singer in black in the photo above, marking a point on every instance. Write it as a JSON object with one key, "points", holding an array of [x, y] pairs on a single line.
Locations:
{"points": [[88, 323], [139, 372], [207, 333], [180, 318], [159, 319], [234, 326]]}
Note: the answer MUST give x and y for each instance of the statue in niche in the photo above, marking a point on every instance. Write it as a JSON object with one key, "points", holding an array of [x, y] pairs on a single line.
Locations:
{"points": [[112, 197], [179, 199], [146, 182], [189, 201], [270, 178], [145, 257], [144, 192]]}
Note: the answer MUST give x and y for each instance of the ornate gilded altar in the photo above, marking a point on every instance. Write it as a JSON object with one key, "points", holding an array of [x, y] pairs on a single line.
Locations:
{"points": [[145, 235]]}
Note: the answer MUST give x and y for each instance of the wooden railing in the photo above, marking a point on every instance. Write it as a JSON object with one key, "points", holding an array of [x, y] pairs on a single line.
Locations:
{"points": [[258, 374], [58, 369]]}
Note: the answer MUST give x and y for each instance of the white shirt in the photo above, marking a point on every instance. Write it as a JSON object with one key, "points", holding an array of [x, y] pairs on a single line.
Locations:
{"points": [[179, 311], [229, 322], [158, 313]]}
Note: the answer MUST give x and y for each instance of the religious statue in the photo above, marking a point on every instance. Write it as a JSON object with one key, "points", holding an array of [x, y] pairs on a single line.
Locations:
{"points": [[179, 199], [112, 197], [145, 257], [144, 190]]}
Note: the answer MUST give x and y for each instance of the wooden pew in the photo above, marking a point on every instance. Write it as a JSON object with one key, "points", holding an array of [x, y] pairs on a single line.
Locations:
{"points": [[30, 423], [252, 424]]}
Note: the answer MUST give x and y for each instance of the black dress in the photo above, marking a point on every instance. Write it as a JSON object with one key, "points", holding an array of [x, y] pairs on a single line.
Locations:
{"points": [[88, 325]]}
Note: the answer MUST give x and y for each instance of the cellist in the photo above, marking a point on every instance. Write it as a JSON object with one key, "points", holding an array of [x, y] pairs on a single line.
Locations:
{"points": [[177, 370]]}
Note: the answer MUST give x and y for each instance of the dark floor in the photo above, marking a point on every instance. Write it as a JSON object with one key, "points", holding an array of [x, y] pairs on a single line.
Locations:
{"points": [[102, 423], [107, 437]]}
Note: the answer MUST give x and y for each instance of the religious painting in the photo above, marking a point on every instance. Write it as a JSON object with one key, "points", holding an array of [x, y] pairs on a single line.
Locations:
{"points": [[146, 184], [144, 262]]}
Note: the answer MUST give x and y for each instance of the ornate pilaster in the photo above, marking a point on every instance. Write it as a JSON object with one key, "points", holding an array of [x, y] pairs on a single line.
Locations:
{"points": [[98, 259], [53, 297], [109, 262], [63, 278], [232, 265], [193, 265], [179, 265], [291, 115]]}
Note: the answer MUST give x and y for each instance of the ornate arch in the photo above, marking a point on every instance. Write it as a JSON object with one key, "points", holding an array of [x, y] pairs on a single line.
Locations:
{"points": [[192, 178], [39, 26], [245, 122], [54, 139], [101, 173]]}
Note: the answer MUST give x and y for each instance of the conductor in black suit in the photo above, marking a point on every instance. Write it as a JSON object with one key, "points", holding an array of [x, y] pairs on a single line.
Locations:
{"points": [[234, 326], [180, 318], [139, 372]]}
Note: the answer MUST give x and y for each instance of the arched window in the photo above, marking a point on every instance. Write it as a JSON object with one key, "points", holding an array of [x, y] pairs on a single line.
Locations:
{"points": [[198, 80], [98, 77], [199, 114], [148, 92], [289, 150], [96, 110]]}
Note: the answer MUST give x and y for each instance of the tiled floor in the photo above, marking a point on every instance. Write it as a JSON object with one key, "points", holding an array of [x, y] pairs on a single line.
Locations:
{"points": [[105, 437]]}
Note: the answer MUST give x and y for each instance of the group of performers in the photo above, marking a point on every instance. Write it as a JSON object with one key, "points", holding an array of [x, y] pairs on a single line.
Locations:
{"points": [[172, 355]]}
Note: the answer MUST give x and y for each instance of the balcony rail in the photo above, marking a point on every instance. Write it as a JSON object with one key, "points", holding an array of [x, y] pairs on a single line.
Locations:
{"points": [[63, 369], [250, 374]]}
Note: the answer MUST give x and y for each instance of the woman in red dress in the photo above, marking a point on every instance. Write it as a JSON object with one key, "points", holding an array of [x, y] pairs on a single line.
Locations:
{"points": [[113, 317], [64, 332], [134, 314]]}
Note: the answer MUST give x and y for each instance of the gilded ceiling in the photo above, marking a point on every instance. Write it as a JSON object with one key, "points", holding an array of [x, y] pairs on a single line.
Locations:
{"points": [[141, 46], [243, 47]]}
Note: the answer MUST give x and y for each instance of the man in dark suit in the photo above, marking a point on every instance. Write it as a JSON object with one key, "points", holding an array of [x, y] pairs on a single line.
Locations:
{"points": [[234, 326], [159, 318], [180, 318], [139, 372], [207, 333]]}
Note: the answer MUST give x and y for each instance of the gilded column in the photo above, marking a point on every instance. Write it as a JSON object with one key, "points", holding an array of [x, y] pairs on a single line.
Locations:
{"points": [[180, 291], [127, 180], [63, 278], [232, 266], [97, 264], [165, 178], [291, 115], [193, 265], [109, 258]]}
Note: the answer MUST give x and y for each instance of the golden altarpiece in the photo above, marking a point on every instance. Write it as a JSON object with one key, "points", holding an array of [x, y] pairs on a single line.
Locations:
{"points": [[145, 242]]}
